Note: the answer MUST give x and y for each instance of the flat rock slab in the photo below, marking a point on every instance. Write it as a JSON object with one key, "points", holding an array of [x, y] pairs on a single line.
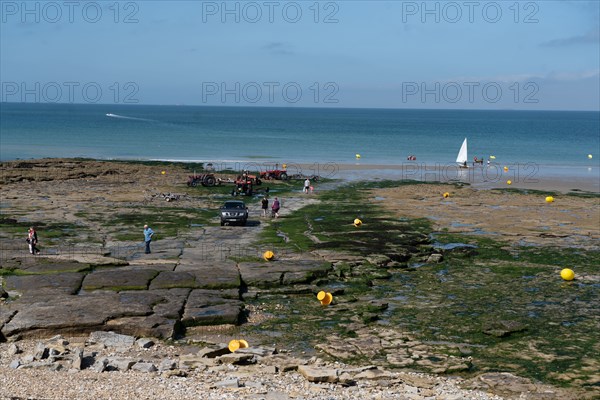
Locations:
{"points": [[172, 302], [117, 279], [65, 283], [164, 322], [161, 250], [112, 339], [338, 256], [221, 275], [36, 264], [141, 313], [147, 326], [156, 255], [212, 307], [157, 265], [65, 313], [280, 273], [173, 279], [317, 375]]}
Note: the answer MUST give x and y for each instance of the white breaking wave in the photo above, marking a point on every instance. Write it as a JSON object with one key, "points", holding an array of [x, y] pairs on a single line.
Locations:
{"points": [[125, 117]]}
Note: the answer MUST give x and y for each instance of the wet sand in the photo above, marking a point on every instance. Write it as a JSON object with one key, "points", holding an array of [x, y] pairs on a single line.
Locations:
{"points": [[516, 218], [522, 176]]}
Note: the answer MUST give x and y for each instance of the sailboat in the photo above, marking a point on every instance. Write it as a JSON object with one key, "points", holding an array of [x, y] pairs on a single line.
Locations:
{"points": [[462, 157]]}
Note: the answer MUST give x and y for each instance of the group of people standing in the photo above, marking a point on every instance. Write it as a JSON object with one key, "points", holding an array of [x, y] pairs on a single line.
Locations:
{"points": [[277, 204], [32, 241], [274, 207]]}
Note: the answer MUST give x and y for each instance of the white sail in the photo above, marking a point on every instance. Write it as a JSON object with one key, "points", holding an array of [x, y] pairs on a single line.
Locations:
{"points": [[462, 153]]}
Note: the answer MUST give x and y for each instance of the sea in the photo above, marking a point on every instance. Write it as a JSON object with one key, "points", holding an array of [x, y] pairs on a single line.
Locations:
{"points": [[557, 143]]}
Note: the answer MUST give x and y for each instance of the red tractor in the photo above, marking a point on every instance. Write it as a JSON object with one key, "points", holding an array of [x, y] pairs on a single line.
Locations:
{"points": [[243, 186], [204, 180], [251, 178], [280, 174]]}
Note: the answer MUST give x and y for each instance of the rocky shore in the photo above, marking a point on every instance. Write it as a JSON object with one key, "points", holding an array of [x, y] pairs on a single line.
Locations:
{"points": [[131, 325], [108, 365]]}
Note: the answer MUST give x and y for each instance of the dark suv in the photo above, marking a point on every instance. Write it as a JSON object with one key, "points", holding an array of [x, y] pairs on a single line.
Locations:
{"points": [[234, 211]]}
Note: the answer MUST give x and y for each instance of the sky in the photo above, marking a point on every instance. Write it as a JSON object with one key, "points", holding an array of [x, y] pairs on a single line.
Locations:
{"points": [[518, 55]]}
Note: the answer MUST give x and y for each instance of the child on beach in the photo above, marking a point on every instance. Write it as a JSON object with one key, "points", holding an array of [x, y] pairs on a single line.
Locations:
{"points": [[275, 208], [306, 185], [32, 240]]}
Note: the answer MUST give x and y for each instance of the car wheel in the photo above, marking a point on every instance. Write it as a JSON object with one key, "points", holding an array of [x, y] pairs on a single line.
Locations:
{"points": [[222, 223]]}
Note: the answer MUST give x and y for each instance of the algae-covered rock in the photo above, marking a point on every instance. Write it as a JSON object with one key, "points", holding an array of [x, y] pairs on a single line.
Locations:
{"points": [[503, 328]]}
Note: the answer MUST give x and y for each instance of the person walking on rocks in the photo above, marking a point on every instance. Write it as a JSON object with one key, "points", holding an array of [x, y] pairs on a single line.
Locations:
{"points": [[32, 240], [265, 205], [148, 232], [275, 208]]}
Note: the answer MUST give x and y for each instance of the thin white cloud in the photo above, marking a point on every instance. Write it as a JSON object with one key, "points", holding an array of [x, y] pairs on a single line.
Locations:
{"points": [[563, 76], [591, 37], [573, 76]]}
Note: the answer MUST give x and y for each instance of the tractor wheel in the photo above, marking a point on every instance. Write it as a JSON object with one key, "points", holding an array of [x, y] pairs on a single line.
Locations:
{"points": [[210, 181], [194, 183], [283, 176]]}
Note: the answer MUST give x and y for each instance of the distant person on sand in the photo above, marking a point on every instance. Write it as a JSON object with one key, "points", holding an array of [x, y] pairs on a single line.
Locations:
{"points": [[148, 233], [275, 208], [32, 240], [306, 185], [264, 205]]}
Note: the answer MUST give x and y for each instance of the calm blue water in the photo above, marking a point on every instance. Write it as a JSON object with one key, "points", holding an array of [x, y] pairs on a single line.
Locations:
{"points": [[556, 140]]}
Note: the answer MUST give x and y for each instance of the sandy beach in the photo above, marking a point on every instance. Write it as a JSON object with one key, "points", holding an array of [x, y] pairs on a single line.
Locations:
{"points": [[521, 176]]}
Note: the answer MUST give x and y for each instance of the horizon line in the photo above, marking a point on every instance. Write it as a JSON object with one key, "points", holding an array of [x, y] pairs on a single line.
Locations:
{"points": [[302, 107]]}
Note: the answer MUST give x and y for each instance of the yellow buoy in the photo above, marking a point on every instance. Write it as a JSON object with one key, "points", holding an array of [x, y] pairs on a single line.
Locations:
{"points": [[509, 182], [243, 344], [357, 156], [549, 199], [268, 255], [505, 169], [321, 295], [446, 195], [234, 345], [357, 222], [492, 157], [567, 274], [590, 156], [327, 299], [163, 172]]}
